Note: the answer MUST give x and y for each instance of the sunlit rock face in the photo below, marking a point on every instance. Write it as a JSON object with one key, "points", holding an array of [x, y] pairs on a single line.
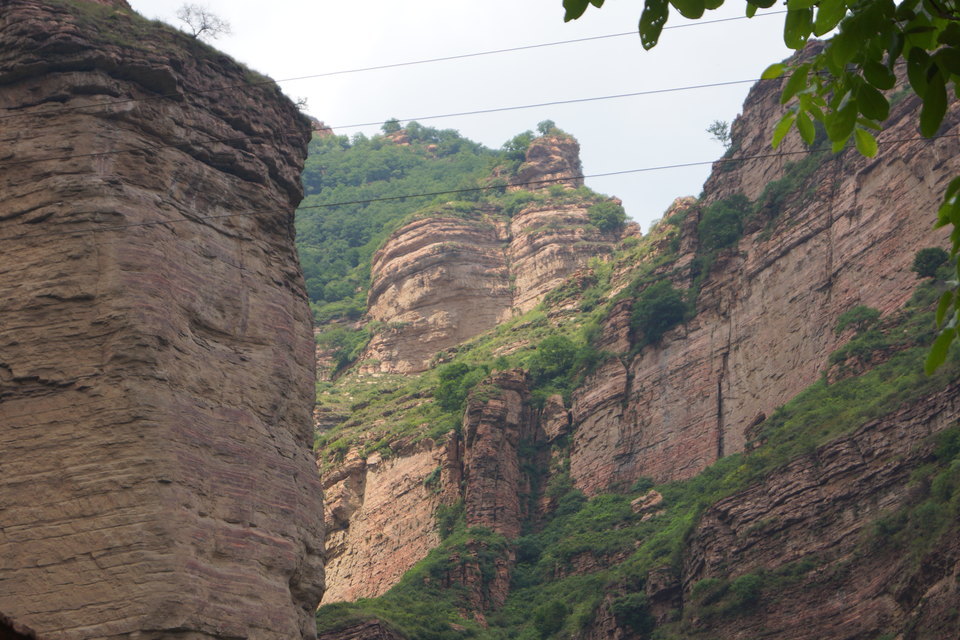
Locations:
{"points": [[156, 361], [441, 280]]}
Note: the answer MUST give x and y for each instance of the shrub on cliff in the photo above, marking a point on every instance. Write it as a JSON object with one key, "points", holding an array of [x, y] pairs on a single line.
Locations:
{"points": [[656, 310], [633, 611], [607, 216], [456, 380], [549, 618], [927, 261], [860, 318], [721, 224]]}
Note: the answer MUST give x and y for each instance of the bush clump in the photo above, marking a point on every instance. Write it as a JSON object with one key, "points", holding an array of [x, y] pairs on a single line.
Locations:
{"points": [[721, 224], [656, 310], [927, 261], [860, 318], [633, 611], [456, 380], [607, 216]]}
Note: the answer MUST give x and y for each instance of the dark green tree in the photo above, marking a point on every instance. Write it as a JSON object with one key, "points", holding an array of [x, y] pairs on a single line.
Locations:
{"points": [[927, 261], [656, 310], [607, 216]]}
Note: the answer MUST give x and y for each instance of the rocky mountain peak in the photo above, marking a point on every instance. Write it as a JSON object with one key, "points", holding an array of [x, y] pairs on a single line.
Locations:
{"points": [[551, 159]]}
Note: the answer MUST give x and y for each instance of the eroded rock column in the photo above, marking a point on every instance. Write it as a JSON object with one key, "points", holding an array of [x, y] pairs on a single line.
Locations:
{"points": [[156, 365]]}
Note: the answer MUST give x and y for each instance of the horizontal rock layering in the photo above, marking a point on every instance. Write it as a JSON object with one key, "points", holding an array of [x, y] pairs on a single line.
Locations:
{"points": [[156, 366]]}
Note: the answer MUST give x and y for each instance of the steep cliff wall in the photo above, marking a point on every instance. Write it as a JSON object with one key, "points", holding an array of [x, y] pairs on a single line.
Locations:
{"points": [[812, 535], [382, 513], [156, 363], [380, 519], [765, 315]]}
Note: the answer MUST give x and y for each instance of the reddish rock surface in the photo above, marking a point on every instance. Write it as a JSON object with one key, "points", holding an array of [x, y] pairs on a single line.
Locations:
{"points": [[819, 509], [551, 159], [441, 280], [765, 316], [436, 282], [493, 428], [381, 513], [380, 517], [156, 361]]}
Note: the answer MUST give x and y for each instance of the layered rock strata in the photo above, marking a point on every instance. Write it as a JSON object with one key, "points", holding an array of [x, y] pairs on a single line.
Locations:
{"points": [[819, 513], [765, 316], [380, 518], [381, 513], [372, 630], [156, 360], [441, 280]]}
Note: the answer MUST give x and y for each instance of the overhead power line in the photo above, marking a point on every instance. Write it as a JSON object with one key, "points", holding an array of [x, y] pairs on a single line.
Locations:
{"points": [[381, 67], [681, 165], [174, 145]]}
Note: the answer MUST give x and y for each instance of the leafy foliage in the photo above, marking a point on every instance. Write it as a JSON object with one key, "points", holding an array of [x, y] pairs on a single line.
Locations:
{"points": [[721, 224], [719, 130], [657, 309], [860, 317], [456, 380], [607, 215], [346, 344], [927, 261]]}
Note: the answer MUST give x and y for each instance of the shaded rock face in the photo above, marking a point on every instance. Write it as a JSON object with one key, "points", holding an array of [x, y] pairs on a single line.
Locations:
{"points": [[156, 361], [819, 510], [765, 318], [381, 513], [380, 520], [10, 630], [441, 280]]}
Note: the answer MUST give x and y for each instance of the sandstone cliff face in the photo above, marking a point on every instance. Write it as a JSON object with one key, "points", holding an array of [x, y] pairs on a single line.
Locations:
{"points": [[817, 511], [373, 630], [437, 282], [441, 280], [381, 513], [766, 314], [380, 520], [156, 361]]}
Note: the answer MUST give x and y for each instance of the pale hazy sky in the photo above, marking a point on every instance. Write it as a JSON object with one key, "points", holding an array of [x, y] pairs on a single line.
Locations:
{"points": [[293, 38]]}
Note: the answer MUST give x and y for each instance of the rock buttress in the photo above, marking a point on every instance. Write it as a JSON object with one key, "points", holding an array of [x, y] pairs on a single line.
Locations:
{"points": [[817, 520], [443, 279], [156, 365]]}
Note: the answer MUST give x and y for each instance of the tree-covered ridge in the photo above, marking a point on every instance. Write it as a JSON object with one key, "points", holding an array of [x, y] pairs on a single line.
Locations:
{"points": [[337, 241]]}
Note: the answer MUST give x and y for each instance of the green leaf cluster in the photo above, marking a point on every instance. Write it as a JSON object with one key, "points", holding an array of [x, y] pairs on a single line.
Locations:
{"points": [[607, 215], [659, 308]]}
